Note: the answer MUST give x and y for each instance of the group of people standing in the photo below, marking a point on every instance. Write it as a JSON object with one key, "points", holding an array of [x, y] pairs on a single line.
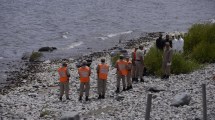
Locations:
{"points": [[125, 70], [169, 47]]}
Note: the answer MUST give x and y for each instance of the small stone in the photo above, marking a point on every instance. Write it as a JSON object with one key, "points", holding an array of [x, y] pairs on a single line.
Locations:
{"points": [[70, 116], [32, 94]]}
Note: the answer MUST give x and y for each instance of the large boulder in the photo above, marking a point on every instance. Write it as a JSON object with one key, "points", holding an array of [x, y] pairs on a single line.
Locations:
{"points": [[70, 116], [47, 49], [181, 99]]}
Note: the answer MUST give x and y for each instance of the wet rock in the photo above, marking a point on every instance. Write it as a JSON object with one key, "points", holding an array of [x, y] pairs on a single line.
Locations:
{"points": [[47, 49], [155, 89], [25, 56], [70, 116], [181, 99]]}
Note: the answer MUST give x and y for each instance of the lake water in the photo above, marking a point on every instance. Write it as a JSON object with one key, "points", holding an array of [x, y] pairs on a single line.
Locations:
{"points": [[78, 27]]}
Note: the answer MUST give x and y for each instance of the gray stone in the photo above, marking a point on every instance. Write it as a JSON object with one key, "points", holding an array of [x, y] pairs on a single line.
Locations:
{"points": [[119, 98], [181, 99], [32, 94], [70, 116], [47, 49], [155, 89]]}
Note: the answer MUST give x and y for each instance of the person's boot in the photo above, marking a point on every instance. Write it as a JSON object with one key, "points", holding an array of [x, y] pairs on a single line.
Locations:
{"points": [[124, 89], [163, 77], [131, 87], [128, 88], [103, 96], [141, 80], [60, 98], [117, 90], [87, 99], [99, 97], [133, 79], [136, 79], [67, 98], [80, 98], [167, 77]]}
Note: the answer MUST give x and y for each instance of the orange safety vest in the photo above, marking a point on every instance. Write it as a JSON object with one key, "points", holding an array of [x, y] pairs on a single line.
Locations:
{"points": [[121, 65], [63, 75], [84, 74], [128, 67], [103, 71]]}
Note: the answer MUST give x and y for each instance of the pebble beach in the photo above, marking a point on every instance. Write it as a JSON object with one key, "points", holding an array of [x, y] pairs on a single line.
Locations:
{"points": [[38, 98]]}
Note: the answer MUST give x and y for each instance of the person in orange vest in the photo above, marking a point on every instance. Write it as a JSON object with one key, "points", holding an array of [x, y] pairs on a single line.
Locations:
{"points": [[64, 81], [84, 74], [102, 73], [134, 68], [128, 76], [121, 73]]}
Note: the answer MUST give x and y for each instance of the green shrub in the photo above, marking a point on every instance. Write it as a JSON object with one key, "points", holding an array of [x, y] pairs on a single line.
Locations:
{"points": [[35, 56], [204, 53], [114, 59], [200, 42], [180, 63], [153, 61]]}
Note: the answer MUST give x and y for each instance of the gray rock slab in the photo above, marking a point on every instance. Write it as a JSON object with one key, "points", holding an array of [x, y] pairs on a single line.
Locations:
{"points": [[181, 99], [70, 116]]}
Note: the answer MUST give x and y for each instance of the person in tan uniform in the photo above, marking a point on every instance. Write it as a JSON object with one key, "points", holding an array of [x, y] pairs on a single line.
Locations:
{"points": [[121, 73], [102, 73], [139, 64], [128, 76], [167, 60], [133, 71], [64, 80], [84, 73]]}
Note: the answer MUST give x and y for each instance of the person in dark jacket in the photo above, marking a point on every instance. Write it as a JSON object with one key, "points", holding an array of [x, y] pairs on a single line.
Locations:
{"points": [[159, 42]]}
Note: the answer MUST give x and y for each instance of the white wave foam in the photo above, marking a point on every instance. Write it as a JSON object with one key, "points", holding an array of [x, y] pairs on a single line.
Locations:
{"points": [[102, 38], [74, 45], [121, 33]]}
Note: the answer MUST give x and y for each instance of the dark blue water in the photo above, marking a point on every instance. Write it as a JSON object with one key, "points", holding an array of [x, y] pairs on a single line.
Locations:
{"points": [[75, 25]]}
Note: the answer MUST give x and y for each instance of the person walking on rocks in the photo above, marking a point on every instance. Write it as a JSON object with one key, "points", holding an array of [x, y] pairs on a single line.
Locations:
{"points": [[102, 73], [167, 60], [64, 80], [133, 71], [128, 76], [84, 74], [121, 73], [139, 64]]}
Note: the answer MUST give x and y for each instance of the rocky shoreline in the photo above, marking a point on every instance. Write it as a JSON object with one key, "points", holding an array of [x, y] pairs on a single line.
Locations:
{"points": [[37, 96]]}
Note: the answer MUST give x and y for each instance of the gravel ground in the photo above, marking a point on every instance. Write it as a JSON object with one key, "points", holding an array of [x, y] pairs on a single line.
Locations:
{"points": [[38, 99]]}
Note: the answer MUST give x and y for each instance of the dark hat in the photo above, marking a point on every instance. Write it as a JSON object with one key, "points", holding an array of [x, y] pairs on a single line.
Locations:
{"points": [[64, 64], [84, 63], [102, 60]]}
